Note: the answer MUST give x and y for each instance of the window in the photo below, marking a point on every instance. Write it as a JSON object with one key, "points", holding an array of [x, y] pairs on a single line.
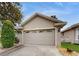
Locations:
{"points": [[27, 31], [49, 30], [77, 34], [19, 31], [41, 31], [33, 31]]}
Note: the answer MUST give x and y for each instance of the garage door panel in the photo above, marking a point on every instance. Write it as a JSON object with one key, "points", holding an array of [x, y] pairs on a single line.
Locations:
{"points": [[39, 38]]}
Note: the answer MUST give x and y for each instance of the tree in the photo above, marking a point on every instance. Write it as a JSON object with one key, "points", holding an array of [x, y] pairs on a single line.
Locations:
{"points": [[11, 11], [8, 34]]}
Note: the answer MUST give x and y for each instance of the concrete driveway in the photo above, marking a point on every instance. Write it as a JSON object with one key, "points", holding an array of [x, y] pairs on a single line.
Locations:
{"points": [[36, 51]]}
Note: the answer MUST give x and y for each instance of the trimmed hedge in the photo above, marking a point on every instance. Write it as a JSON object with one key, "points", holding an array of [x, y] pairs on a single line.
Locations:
{"points": [[7, 34]]}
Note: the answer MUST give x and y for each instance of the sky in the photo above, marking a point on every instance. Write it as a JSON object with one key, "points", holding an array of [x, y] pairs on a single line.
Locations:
{"points": [[65, 11]]}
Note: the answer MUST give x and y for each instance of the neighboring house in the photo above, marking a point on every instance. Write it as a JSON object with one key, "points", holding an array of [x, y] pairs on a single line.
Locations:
{"points": [[42, 30], [71, 34]]}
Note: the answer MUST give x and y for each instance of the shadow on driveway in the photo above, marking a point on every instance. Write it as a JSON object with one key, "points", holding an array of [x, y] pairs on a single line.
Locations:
{"points": [[36, 51]]}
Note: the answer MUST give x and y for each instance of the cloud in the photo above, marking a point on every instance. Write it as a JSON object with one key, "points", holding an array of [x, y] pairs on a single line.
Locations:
{"points": [[59, 3], [58, 12], [49, 12]]}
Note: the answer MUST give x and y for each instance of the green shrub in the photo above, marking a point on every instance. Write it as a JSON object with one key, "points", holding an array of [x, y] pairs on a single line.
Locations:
{"points": [[7, 34]]}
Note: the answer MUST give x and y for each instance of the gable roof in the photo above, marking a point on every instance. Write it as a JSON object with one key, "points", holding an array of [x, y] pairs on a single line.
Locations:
{"points": [[43, 16], [71, 27]]}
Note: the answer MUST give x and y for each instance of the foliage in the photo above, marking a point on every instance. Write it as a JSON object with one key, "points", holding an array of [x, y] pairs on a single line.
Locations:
{"points": [[10, 11], [71, 46], [8, 34]]}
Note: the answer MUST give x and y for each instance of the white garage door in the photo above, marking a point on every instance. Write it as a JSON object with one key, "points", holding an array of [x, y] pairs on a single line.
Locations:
{"points": [[41, 37]]}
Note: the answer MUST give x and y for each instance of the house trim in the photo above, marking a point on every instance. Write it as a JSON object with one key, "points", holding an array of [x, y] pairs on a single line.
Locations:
{"points": [[38, 29]]}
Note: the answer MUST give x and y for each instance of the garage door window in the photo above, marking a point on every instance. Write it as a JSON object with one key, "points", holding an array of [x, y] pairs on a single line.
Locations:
{"points": [[27, 31], [34, 31], [41, 31], [49, 30], [19, 32]]}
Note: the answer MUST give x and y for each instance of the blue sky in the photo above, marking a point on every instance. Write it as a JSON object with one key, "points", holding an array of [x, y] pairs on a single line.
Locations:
{"points": [[65, 11]]}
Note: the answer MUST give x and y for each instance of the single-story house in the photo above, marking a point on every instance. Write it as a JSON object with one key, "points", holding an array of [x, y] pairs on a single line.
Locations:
{"points": [[40, 29], [71, 34]]}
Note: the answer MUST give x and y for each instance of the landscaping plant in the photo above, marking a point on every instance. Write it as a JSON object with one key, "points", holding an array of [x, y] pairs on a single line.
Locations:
{"points": [[7, 34], [10, 11]]}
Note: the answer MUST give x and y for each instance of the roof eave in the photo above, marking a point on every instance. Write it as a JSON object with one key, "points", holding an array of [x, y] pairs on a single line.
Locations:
{"points": [[60, 24], [71, 27]]}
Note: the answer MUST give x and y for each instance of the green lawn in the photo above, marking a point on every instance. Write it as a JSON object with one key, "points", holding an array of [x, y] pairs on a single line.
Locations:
{"points": [[70, 46]]}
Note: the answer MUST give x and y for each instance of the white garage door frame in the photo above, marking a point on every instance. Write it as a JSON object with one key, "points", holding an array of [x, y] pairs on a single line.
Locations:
{"points": [[39, 30]]}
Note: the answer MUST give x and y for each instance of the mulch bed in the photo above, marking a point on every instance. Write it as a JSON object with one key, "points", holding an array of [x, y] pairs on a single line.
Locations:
{"points": [[64, 52]]}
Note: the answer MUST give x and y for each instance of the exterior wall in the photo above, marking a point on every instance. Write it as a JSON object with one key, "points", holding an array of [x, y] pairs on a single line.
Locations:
{"points": [[69, 36], [19, 36], [56, 37], [37, 23], [59, 38]]}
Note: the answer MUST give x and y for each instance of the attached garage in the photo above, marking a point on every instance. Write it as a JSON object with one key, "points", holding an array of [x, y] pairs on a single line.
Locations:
{"points": [[41, 30], [40, 37]]}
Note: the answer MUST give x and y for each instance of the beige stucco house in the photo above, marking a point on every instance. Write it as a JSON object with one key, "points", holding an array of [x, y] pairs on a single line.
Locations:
{"points": [[41, 30], [71, 34]]}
